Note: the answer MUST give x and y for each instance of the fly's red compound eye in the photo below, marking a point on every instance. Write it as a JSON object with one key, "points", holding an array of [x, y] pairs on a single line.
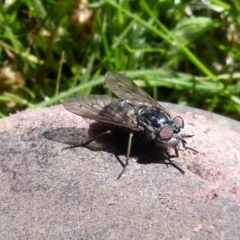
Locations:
{"points": [[166, 133], [179, 121]]}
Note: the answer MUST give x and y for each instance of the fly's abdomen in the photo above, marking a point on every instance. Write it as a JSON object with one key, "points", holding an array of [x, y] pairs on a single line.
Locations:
{"points": [[122, 108]]}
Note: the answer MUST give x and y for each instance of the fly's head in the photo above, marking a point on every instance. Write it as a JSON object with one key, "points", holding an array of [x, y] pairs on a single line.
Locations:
{"points": [[172, 133], [160, 127]]}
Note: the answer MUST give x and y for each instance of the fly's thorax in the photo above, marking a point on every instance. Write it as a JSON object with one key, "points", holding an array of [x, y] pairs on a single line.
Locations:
{"points": [[152, 119]]}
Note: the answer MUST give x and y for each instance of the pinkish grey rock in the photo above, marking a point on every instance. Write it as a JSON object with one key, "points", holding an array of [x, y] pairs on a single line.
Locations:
{"points": [[49, 192]]}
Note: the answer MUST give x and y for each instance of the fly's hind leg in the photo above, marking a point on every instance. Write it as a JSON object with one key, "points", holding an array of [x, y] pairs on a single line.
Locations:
{"points": [[91, 140], [128, 155], [103, 134]]}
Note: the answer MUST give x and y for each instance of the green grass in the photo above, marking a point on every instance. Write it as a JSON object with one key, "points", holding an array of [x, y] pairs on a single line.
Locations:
{"points": [[182, 53]]}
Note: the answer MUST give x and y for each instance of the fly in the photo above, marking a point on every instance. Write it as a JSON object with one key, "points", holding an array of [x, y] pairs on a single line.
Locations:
{"points": [[133, 109]]}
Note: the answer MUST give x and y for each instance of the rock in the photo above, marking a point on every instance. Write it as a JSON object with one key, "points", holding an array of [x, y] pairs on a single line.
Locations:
{"points": [[49, 191]]}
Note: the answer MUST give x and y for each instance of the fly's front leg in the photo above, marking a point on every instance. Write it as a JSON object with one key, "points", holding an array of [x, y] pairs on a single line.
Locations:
{"points": [[185, 147], [171, 162], [128, 154]]}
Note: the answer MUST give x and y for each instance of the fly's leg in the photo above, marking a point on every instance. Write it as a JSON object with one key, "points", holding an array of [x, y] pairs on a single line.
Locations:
{"points": [[185, 147], [176, 149], [171, 162], [105, 133], [128, 154], [91, 140]]}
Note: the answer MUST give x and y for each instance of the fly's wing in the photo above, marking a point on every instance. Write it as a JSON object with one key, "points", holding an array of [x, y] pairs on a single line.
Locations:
{"points": [[103, 108], [126, 89]]}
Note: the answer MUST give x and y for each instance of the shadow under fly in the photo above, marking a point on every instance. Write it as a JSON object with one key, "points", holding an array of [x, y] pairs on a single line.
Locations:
{"points": [[134, 110]]}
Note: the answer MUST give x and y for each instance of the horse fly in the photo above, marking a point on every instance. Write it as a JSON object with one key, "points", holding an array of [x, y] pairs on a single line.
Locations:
{"points": [[133, 109]]}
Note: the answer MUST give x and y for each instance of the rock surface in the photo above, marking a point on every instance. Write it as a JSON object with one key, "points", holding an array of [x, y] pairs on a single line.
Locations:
{"points": [[50, 192]]}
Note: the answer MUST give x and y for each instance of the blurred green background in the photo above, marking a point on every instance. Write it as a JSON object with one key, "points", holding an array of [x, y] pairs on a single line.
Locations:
{"points": [[184, 52]]}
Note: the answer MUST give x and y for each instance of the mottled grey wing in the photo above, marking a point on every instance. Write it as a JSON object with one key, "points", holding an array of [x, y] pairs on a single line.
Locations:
{"points": [[102, 108], [126, 89]]}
